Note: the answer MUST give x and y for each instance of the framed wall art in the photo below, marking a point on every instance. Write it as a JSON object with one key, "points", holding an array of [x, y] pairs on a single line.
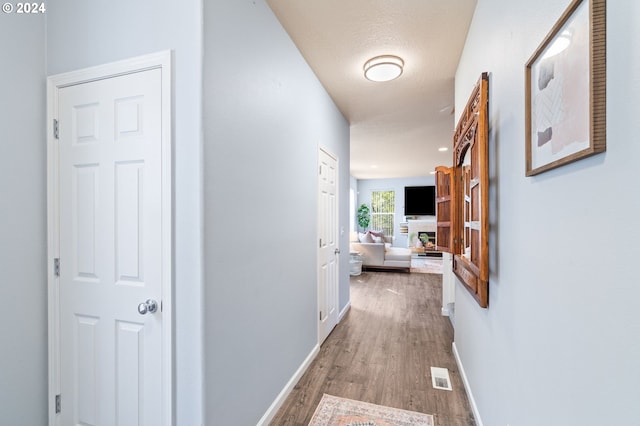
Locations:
{"points": [[565, 90]]}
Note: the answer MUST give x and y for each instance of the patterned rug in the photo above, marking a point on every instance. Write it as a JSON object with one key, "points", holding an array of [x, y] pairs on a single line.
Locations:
{"points": [[426, 265], [334, 411]]}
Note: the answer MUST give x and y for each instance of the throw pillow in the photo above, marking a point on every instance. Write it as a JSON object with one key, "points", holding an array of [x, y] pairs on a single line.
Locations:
{"points": [[362, 237], [365, 238], [378, 236], [368, 238]]}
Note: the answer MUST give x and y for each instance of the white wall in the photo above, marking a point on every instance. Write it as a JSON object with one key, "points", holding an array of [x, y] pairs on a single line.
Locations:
{"points": [[86, 33], [559, 343], [366, 186], [23, 287], [265, 116]]}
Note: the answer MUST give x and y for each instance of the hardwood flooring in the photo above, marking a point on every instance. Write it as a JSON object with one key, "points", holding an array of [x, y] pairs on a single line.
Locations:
{"points": [[382, 352]]}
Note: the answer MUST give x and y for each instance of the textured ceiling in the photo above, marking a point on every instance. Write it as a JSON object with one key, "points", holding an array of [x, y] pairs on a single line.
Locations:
{"points": [[397, 126]]}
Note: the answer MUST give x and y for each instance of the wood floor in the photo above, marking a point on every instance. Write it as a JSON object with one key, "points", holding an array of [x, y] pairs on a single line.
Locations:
{"points": [[382, 352]]}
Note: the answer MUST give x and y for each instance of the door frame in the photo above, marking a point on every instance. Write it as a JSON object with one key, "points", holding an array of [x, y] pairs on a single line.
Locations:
{"points": [[337, 237], [160, 60]]}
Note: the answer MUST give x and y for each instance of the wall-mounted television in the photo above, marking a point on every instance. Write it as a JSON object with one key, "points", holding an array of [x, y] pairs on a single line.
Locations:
{"points": [[419, 200]]}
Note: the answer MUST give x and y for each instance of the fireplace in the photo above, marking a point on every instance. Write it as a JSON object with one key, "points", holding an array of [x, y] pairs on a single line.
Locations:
{"points": [[427, 237], [423, 236], [422, 229]]}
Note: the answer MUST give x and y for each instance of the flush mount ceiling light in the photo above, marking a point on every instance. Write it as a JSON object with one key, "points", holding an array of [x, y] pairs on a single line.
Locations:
{"points": [[383, 68]]}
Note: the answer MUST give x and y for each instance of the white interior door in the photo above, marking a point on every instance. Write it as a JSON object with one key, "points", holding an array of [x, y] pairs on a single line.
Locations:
{"points": [[112, 213], [328, 251]]}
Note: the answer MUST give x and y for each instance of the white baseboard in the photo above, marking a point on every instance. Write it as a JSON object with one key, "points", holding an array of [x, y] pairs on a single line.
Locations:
{"points": [[275, 406], [344, 311], [467, 387], [444, 312]]}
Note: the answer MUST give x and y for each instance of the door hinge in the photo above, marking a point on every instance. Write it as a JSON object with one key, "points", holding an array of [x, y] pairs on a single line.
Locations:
{"points": [[320, 315], [56, 267], [320, 243], [55, 129], [58, 404]]}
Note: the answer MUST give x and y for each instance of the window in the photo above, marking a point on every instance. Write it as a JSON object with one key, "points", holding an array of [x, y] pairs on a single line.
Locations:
{"points": [[383, 211]]}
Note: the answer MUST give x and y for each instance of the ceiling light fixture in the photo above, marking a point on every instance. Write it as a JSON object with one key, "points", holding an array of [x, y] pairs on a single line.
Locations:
{"points": [[383, 68]]}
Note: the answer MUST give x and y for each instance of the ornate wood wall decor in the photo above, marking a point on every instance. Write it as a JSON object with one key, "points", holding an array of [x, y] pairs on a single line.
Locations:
{"points": [[462, 197], [444, 199]]}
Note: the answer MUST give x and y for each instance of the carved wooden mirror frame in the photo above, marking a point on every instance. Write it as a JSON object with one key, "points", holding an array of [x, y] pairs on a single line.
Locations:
{"points": [[462, 197]]}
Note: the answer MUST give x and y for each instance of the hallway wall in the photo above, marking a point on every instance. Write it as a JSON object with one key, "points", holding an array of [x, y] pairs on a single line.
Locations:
{"points": [[558, 344], [265, 115], [23, 222]]}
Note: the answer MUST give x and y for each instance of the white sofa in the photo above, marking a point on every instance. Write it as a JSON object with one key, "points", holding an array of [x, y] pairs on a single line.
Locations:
{"points": [[382, 255]]}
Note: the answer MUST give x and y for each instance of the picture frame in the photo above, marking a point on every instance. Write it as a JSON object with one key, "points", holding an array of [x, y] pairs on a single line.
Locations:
{"points": [[565, 90]]}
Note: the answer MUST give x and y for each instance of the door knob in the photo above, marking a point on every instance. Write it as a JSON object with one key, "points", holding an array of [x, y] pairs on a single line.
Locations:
{"points": [[149, 306], [336, 251]]}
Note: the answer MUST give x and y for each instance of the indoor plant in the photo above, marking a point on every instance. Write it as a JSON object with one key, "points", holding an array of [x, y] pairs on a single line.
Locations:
{"points": [[363, 216]]}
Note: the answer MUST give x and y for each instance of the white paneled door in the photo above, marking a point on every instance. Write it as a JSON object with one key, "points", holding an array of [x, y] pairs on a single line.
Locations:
{"points": [[328, 244], [110, 203]]}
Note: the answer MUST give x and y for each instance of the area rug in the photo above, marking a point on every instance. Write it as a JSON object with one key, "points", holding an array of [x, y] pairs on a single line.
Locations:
{"points": [[335, 411], [426, 265]]}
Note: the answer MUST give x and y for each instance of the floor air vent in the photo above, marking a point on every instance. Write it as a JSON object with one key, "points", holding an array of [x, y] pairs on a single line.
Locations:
{"points": [[440, 378]]}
